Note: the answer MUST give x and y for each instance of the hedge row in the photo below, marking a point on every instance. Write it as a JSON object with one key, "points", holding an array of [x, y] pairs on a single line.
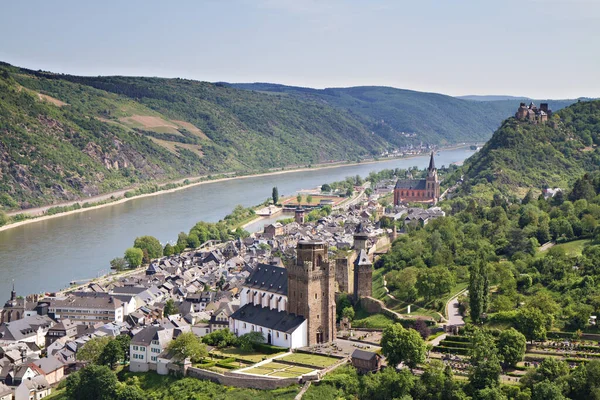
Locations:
{"points": [[450, 343], [456, 338], [269, 348], [451, 350]]}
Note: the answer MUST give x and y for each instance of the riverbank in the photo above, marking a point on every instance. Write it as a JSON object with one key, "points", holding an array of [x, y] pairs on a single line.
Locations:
{"points": [[118, 197]]}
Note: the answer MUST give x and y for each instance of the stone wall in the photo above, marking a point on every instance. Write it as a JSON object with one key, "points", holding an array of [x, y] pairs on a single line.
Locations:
{"points": [[241, 380]]}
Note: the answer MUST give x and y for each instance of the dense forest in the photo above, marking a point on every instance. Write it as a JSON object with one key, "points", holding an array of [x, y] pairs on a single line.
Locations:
{"points": [[66, 137], [435, 118]]}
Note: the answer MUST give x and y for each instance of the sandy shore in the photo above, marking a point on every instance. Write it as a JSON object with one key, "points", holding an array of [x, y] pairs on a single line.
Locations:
{"points": [[124, 199]]}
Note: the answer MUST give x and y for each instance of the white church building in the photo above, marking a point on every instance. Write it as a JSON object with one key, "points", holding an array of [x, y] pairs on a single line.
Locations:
{"points": [[263, 308]]}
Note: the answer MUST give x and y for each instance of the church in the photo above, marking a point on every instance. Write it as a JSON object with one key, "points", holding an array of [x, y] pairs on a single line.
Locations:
{"points": [[294, 306], [419, 190]]}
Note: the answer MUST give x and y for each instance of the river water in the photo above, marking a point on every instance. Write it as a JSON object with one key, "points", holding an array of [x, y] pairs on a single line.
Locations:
{"points": [[47, 255]]}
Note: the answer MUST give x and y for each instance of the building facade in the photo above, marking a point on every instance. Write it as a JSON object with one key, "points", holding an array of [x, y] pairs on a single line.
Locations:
{"points": [[311, 290], [419, 190]]}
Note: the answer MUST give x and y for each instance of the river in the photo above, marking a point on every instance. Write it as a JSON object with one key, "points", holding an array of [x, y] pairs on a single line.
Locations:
{"points": [[47, 255]]}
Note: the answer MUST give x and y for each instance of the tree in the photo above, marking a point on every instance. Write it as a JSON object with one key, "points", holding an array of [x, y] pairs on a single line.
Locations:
{"points": [[435, 281], [150, 244], [309, 199], [170, 308], [187, 345], [124, 341], [168, 250], [531, 322], [220, 338], [511, 346], [92, 349], [402, 345], [478, 289], [130, 392], [275, 195], [249, 340], [111, 354], [118, 263], [485, 364], [299, 198], [325, 188], [3, 218], [421, 327], [134, 257], [94, 382], [349, 313]]}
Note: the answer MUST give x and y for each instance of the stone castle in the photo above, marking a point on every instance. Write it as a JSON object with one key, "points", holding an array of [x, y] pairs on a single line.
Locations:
{"points": [[533, 114]]}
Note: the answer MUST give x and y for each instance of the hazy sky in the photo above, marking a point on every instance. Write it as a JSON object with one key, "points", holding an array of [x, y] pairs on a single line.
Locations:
{"points": [[536, 48]]}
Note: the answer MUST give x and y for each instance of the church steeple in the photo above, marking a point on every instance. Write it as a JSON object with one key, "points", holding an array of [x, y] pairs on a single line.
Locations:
{"points": [[13, 293], [431, 163]]}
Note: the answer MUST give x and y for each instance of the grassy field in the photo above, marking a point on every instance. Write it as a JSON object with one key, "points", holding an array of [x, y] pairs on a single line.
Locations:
{"points": [[279, 370], [252, 357], [363, 319], [310, 359], [573, 249], [378, 288]]}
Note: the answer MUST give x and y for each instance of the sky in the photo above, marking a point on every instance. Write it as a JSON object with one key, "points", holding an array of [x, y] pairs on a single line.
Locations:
{"points": [[534, 48]]}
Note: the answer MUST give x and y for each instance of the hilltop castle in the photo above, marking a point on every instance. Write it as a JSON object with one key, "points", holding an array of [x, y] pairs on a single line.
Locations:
{"points": [[533, 114], [419, 190]]}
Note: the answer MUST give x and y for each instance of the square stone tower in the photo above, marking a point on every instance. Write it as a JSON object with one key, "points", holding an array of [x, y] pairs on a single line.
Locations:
{"points": [[311, 290], [363, 276]]}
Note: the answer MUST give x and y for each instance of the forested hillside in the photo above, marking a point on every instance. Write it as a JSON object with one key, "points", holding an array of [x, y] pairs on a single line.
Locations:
{"points": [[521, 155], [427, 117], [66, 137]]}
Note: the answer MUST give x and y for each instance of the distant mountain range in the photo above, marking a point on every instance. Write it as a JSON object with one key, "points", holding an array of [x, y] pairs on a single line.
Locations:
{"points": [[65, 137], [493, 98]]}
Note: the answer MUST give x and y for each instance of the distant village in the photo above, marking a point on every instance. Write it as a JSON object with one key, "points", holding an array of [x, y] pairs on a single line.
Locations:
{"points": [[281, 282]]}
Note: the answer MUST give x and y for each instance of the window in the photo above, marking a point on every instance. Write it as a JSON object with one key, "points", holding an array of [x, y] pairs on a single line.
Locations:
{"points": [[315, 296], [286, 336], [318, 316], [135, 348], [142, 348], [244, 325], [277, 334], [153, 358]]}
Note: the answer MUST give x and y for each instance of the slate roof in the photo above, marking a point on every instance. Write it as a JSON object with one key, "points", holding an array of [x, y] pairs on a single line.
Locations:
{"points": [[363, 258], [416, 184], [48, 364], [363, 355], [269, 278], [271, 319], [148, 334], [24, 327]]}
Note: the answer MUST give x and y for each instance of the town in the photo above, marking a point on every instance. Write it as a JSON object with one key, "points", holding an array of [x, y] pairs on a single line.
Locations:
{"points": [[280, 285]]}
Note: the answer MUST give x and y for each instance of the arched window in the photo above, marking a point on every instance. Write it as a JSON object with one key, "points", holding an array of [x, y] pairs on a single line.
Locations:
{"points": [[319, 260]]}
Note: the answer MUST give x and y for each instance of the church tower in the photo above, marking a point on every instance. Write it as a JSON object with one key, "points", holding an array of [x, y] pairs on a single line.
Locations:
{"points": [[431, 182], [311, 290]]}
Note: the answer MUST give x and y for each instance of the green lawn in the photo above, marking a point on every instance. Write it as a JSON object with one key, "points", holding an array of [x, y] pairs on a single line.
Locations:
{"points": [[252, 357], [280, 370], [315, 360], [378, 289], [573, 249]]}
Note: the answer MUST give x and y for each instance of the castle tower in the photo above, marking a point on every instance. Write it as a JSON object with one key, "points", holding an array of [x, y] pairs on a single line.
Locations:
{"points": [[299, 215], [431, 182], [360, 238], [311, 290], [363, 276]]}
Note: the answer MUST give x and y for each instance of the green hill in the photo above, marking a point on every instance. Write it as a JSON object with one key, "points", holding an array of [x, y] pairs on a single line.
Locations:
{"points": [[408, 117], [65, 137], [521, 155]]}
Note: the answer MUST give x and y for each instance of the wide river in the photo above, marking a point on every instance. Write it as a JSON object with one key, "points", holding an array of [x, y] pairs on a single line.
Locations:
{"points": [[46, 255]]}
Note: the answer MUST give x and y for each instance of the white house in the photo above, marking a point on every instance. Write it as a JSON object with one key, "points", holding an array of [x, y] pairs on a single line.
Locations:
{"points": [[31, 329], [279, 328], [146, 346], [33, 388]]}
